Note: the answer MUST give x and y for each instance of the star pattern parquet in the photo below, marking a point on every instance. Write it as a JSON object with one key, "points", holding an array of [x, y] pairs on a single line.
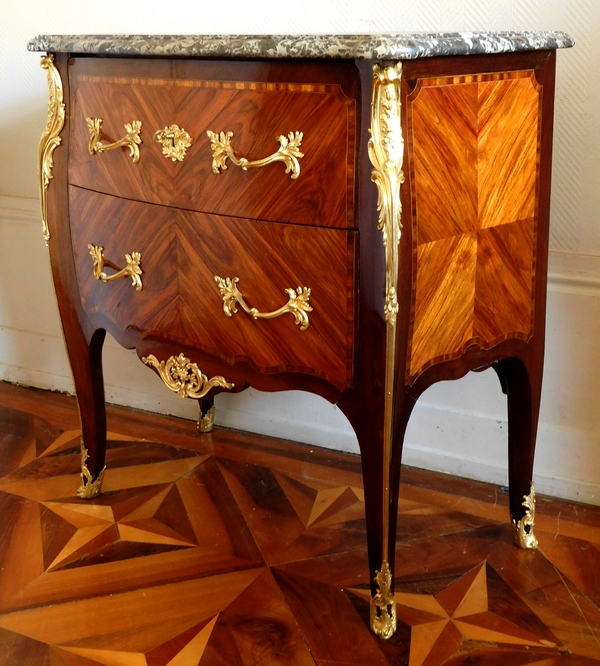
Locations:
{"points": [[232, 549]]}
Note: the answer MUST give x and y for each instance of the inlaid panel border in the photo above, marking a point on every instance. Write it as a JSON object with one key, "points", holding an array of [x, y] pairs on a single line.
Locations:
{"points": [[412, 374]]}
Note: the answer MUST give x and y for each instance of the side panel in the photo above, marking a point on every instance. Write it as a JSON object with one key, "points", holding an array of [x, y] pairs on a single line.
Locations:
{"points": [[474, 170]]}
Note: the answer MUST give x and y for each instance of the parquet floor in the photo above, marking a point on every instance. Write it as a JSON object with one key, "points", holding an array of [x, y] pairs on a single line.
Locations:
{"points": [[232, 549]]}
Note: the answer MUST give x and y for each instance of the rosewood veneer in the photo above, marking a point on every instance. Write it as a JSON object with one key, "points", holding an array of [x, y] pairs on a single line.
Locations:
{"points": [[403, 217]]}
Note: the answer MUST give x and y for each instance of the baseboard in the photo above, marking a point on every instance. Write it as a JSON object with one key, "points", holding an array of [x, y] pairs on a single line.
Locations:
{"points": [[442, 435], [475, 446], [294, 415], [574, 273], [546, 483], [20, 210], [443, 429]]}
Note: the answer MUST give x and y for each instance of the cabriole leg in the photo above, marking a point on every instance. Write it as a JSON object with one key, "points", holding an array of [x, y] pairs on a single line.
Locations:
{"points": [[523, 395], [206, 415], [86, 365], [381, 475], [381, 564]]}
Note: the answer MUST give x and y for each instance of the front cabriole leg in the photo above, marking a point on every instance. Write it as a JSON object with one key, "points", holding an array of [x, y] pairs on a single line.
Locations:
{"points": [[86, 365], [84, 342], [89, 487]]}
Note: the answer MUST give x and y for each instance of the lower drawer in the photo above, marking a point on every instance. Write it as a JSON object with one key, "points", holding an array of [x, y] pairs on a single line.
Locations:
{"points": [[182, 252]]}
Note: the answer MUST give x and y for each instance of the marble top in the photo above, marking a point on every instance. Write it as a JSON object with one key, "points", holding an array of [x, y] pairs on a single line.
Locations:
{"points": [[407, 46]]}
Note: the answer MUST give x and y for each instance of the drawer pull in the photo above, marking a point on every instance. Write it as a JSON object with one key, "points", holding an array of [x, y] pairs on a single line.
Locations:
{"points": [[184, 377], [132, 269], [131, 139], [288, 153], [174, 140], [297, 304]]}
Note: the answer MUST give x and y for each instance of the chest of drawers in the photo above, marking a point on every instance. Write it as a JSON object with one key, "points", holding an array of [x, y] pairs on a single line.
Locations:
{"points": [[356, 217]]}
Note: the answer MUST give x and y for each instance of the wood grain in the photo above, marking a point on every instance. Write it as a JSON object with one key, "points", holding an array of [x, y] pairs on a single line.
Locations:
{"points": [[507, 151], [257, 112], [444, 136], [228, 595], [445, 294], [352, 374], [475, 142], [504, 282], [182, 251]]}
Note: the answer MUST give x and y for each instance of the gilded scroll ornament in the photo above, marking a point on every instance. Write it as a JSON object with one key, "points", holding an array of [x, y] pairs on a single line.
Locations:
{"points": [[174, 141], [130, 140], [89, 488], [523, 529], [386, 152], [132, 269], [184, 377], [51, 137], [288, 153], [297, 304], [383, 604], [206, 422]]}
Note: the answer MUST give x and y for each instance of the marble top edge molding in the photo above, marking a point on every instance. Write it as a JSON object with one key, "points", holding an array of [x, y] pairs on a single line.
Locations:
{"points": [[407, 46]]}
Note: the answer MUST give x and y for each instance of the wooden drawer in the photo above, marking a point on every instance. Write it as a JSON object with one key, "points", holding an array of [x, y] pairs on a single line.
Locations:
{"points": [[257, 102], [182, 251]]}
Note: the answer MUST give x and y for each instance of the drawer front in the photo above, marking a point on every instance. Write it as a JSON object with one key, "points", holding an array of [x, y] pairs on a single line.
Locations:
{"points": [[197, 97], [182, 252]]}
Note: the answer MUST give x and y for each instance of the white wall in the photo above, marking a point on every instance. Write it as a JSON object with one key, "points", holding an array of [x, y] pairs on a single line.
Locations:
{"points": [[459, 427]]}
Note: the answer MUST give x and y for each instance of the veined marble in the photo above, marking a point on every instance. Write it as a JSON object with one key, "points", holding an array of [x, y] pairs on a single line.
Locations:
{"points": [[407, 46]]}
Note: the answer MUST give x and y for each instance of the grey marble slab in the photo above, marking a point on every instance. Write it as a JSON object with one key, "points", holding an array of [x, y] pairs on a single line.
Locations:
{"points": [[394, 47]]}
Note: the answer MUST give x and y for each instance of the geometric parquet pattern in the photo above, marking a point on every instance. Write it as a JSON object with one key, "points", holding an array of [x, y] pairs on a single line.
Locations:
{"points": [[233, 549]]}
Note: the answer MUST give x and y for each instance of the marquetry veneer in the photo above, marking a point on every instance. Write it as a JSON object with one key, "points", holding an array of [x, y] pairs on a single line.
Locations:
{"points": [[256, 101], [184, 250], [419, 221], [474, 166]]}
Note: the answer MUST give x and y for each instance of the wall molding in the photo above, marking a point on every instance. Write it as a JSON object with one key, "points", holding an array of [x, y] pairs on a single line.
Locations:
{"points": [[442, 436], [17, 210], [574, 283], [574, 273]]}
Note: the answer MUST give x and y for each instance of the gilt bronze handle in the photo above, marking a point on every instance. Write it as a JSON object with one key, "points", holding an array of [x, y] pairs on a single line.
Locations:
{"points": [[297, 304], [131, 139], [132, 269], [288, 153]]}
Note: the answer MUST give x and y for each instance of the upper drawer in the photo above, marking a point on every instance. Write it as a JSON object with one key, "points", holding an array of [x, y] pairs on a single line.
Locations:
{"points": [[256, 101], [178, 298]]}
